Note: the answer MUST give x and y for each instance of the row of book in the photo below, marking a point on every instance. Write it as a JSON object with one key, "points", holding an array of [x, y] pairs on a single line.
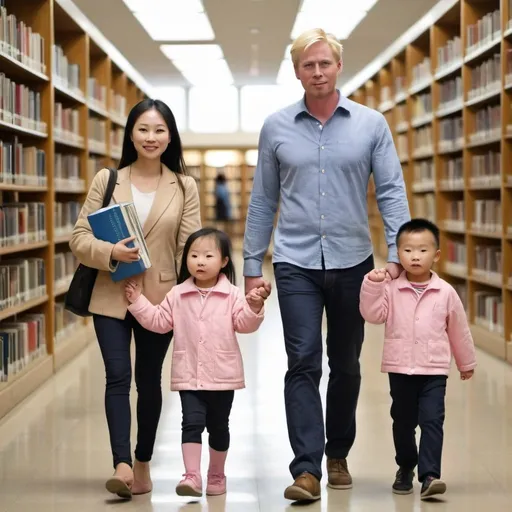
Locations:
{"points": [[449, 53], [450, 93], [486, 77], [487, 123], [422, 105], [22, 341], [424, 171], [67, 124], [97, 93], [67, 325], [487, 215], [484, 166], [21, 280], [455, 212], [66, 215], [22, 165], [421, 72], [451, 133], [65, 73], [453, 173], [489, 310], [22, 223], [65, 264], [20, 105], [67, 172], [20, 42], [424, 206], [485, 30]]}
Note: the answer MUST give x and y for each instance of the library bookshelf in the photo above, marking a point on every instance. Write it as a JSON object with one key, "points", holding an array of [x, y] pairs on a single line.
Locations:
{"points": [[447, 97], [64, 107], [238, 166]]}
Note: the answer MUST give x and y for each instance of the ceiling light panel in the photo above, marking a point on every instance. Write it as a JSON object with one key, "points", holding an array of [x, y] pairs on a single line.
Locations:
{"points": [[199, 63], [331, 15], [172, 20]]}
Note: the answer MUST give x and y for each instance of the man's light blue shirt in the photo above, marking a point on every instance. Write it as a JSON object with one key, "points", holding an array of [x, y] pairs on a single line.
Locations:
{"points": [[318, 177]]}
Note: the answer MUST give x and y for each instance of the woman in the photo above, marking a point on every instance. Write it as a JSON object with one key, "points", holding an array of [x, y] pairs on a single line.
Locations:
{"points": [[152, 176]]}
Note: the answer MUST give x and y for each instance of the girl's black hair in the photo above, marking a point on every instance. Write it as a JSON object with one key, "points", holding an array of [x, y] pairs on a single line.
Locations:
{"points": [[224, 245], [172, 157]]}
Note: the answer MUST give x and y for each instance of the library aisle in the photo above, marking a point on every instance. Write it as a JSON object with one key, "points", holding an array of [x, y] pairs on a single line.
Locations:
{"points": [[54, 453]]}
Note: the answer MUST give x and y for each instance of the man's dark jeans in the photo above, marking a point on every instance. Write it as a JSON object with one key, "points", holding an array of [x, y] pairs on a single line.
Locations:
{"points": [[303, 295]]}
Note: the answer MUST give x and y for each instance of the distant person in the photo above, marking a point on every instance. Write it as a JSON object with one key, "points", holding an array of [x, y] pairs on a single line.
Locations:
{"points": [[152, 175], [205, 310], [222, 199], [425, 324], [315, 159]]}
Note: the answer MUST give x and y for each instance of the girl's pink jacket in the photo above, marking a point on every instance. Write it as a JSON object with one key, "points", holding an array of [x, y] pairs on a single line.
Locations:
{"points": [[422, 332], [205, 355]]}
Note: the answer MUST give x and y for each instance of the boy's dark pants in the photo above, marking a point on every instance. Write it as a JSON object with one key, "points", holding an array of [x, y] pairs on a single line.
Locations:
{"points": [[418, 400]]}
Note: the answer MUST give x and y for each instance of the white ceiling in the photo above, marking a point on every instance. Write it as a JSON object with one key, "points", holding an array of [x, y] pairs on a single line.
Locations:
{"points": [[232, 22]]}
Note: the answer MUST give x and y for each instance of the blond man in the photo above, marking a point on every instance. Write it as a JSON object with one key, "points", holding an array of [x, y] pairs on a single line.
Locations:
{"points": [[315, 159]]}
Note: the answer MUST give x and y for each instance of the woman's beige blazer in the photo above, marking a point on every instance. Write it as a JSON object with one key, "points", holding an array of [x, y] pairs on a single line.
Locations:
{"points": [[174, 215]]}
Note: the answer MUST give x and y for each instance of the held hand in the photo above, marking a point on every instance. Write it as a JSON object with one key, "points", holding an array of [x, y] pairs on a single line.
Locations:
{"points": [[255, 300], [123, 253], [466, 375], [377, 275], [260, 283], [132, 290], [393, 270]]}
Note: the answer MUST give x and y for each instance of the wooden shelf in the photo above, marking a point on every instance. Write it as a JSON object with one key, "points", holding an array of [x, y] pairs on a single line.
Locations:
{"points": [[71, 58], [442, 62], [25, 383]]}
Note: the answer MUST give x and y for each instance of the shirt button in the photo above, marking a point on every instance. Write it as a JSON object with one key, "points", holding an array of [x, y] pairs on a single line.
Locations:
{"points": [[323, 193], [322, 216], [321, 147], [323, 236], [323, 171], [417, 318], [200, 364]]}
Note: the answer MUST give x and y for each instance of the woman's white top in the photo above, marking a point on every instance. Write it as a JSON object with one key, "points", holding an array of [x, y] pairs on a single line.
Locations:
{"points": [[143, 202]]}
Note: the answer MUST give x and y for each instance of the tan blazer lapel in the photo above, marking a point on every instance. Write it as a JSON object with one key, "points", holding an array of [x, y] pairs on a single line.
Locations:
{"points": [[123, 190], [164, 195]]}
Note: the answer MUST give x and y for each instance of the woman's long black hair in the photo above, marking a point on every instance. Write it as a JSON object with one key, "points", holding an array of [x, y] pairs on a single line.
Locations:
{"points": [[224, 245], [172, 157]]}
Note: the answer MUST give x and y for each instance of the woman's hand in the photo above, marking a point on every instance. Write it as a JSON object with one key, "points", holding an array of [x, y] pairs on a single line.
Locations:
{"points": [[125, 254], [377, 275], [133, 290]]}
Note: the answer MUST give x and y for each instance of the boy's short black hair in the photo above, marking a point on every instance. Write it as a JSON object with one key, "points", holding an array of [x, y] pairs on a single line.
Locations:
{"points": [[417, 225]]}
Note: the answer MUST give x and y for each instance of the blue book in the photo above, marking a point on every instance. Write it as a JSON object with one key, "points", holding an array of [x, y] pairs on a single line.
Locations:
{"points": [[117, 222]]}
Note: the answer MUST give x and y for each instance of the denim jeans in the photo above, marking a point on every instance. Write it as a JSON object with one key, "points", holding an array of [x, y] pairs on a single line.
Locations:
{"points": [[114, 338]]}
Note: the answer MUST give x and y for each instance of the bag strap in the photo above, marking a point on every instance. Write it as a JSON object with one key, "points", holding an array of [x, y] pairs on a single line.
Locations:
{"points": [[112, 179]]}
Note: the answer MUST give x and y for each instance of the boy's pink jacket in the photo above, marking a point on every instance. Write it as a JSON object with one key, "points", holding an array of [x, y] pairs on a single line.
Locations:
{"points": [[205, 355], [422, 332]]}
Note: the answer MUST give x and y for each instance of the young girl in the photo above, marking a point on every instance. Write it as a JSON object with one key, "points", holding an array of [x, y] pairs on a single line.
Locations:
{"points": [[205, 310], [425, 324]]}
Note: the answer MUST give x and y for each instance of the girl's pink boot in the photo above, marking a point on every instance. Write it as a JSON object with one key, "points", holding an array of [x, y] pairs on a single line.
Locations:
{"points": [[216, 477], [192, 484]]}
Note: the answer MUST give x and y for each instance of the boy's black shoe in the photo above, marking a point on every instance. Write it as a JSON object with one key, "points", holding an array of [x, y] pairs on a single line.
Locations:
{"points": [[403, 481], [432, 486]]}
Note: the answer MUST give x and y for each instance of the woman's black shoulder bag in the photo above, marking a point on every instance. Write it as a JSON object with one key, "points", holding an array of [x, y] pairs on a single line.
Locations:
{"points": [[79, 294]]}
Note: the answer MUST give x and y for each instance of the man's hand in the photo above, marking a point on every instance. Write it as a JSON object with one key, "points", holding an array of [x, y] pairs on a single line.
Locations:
{"points": [[393, 270], [258, 282]]}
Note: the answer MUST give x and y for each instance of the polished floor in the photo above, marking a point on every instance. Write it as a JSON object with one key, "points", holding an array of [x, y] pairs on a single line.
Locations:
{"points": [[55, 457]]}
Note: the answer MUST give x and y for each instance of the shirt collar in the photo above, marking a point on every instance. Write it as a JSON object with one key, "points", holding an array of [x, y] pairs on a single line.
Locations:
{"points": [[222, 286], [434, 283], [301, 108]]}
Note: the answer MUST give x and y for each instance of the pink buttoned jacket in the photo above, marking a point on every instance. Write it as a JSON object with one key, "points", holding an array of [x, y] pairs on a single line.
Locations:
{"points": [[205, 355], [421, 332]]}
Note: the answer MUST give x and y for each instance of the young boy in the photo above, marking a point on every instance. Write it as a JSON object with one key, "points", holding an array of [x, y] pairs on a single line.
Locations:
{"points": [[425, 323]]}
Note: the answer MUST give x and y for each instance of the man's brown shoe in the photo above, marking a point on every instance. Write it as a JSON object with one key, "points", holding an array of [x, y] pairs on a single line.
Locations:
{"points": [[338, 474], [305, 488]]}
